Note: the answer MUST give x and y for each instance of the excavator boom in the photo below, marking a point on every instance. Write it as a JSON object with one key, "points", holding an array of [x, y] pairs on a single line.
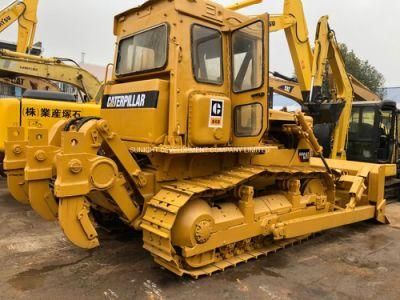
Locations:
{"points": [[25, 13], [288, 89], [293, 22], [337, 110], [361, 92], [311, 65], [30, 83], [50, 69]]}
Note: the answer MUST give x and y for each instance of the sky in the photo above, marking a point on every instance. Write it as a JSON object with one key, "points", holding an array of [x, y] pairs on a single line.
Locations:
{"points": [[369, 27]]}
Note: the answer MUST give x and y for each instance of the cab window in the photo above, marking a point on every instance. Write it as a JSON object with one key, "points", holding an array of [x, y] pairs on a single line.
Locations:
{"points": [[207, 54], [248, 120], [386, 122], [247, 57], [143, 51], [362, 122]]}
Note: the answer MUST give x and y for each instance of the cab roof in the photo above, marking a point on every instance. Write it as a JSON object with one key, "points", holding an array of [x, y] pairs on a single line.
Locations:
{"points": [[204, 9]]}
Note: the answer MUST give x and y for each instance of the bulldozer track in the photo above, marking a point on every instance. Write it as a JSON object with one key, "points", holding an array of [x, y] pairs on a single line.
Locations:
{"points": [[163, 208]]}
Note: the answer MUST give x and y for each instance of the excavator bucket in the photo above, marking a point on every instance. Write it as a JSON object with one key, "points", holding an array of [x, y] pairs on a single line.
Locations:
{"points": [[324, 112], [14, 163]]}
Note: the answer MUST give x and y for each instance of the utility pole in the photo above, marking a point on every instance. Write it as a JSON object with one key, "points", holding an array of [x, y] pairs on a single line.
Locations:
{"points": [[83, 54]]}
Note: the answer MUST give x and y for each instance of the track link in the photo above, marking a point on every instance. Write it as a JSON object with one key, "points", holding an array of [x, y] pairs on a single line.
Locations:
{"points": [[163, 208]]}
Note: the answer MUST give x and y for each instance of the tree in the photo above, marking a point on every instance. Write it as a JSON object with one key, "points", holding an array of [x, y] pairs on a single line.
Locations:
{"points": [[362, 70]]}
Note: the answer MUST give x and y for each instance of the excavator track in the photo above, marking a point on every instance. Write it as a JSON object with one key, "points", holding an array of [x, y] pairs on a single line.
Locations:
{"points": [[162, 211]]}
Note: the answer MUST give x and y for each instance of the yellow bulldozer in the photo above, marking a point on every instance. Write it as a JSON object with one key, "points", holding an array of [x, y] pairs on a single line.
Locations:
{"points": [[187, 151]]}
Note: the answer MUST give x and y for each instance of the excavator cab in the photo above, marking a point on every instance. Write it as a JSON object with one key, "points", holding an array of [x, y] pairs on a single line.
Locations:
{"points": [[373, 132]]}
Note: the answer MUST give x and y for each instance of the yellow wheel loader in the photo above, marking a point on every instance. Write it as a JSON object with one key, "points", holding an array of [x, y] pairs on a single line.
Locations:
{"points": [[187, 151]]}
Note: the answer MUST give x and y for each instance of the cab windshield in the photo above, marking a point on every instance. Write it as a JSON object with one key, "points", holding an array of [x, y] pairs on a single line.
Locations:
{"points": [[143, 51]]}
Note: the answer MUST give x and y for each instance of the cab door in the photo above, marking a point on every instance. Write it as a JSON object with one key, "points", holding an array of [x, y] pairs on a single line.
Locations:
{"points": [[387, 134], [249, 80]]}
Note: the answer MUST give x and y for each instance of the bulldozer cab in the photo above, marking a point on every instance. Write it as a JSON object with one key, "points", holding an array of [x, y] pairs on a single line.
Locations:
{"points": [[374, 132], [191, 74]]}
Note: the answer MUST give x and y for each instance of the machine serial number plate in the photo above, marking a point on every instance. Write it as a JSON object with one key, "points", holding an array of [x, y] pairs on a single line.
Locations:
{"points": [[304, 155]]}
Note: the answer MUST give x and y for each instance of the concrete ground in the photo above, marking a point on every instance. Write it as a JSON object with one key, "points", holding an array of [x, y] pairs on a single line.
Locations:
{"points": [[360, 261]]}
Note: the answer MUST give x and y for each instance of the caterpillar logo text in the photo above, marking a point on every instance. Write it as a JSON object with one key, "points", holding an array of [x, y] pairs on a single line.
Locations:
{"points": [[134, 100], [216, 113]]}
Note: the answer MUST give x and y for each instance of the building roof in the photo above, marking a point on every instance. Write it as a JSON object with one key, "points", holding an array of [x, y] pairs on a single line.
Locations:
{"points": [[96, 70]]}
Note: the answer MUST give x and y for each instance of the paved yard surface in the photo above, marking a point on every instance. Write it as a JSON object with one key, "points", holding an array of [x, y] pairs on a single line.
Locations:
{"points": [[360, 261]]}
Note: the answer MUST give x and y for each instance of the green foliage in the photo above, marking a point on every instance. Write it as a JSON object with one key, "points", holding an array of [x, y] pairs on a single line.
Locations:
{"points": [[362, 70]]}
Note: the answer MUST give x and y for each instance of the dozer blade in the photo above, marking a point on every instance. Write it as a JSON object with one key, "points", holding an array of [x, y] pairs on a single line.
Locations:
{"points": [[17, 187], [42, 200], [73, 215]]}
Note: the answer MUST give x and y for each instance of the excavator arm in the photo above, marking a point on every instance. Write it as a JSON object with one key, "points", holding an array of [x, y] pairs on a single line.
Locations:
{"points": [[286, 88], [338, 109], [25, 13], [13, 63], [361, 92], [30, 83], [293, 22], [310, 66]]}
